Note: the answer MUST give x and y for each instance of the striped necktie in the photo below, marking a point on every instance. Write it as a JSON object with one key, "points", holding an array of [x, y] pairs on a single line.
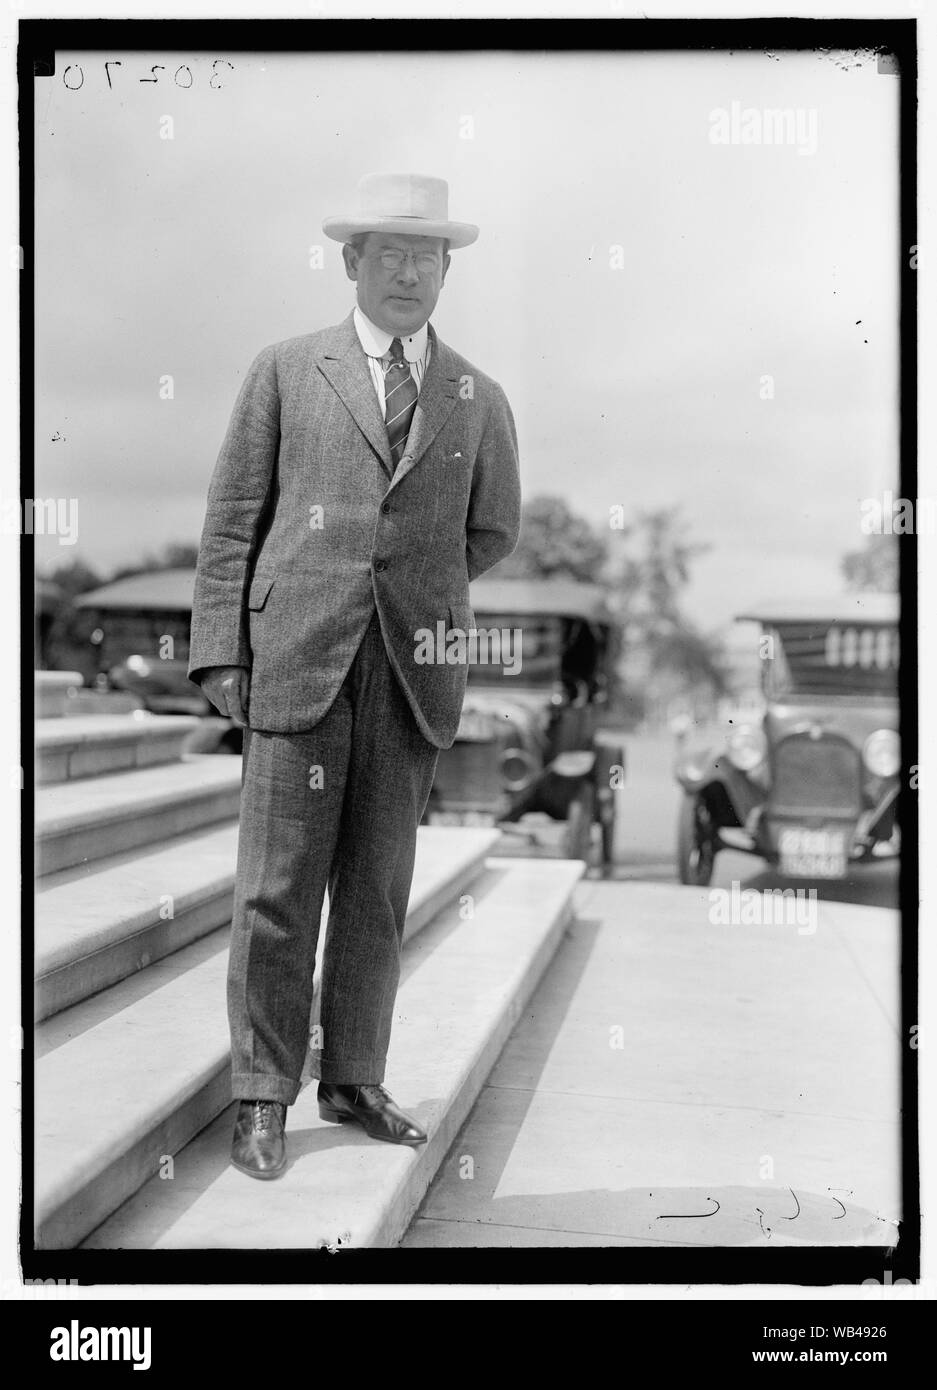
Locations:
{"points": [[400, 395]]}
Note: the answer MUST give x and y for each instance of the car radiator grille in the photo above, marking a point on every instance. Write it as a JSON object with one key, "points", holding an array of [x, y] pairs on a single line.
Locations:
{"points": [[815, 777]]}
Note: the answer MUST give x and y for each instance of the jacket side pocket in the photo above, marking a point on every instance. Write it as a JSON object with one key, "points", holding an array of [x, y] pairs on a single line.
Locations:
{"points": [[461, 616], [261, 584]]}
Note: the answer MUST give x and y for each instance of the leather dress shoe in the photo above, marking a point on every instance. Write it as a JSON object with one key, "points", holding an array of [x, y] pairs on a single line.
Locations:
{"points": [[259, 1144], [372, 1108]]}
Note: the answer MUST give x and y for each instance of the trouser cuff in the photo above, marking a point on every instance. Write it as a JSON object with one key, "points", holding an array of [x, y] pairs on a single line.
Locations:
{"points": [[344, 1071], [246, 1085]]}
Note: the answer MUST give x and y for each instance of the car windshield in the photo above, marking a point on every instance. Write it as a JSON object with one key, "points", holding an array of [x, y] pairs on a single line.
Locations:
{"points": [[536, 651], [823, 658], [515, 648]]}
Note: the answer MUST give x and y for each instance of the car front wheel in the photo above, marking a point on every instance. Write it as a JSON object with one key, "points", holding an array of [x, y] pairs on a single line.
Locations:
{"points": [[697, 838]]}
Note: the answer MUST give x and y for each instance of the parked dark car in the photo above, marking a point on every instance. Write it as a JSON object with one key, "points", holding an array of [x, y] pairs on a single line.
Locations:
{"points": [[812, 786], [531, 736]]}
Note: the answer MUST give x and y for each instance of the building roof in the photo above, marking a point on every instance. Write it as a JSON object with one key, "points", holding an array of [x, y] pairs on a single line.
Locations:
{"points": [[172, 590], [566, 598], [165, 590], [845, 608]]}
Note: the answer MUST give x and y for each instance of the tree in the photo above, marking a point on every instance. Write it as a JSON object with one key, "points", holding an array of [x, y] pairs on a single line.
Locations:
{"points": [[666, 656], [645, 572], [651, 581], [175, 555], [555, 543], [694, 659], [74, 577], [179, 555], [874, 567]]}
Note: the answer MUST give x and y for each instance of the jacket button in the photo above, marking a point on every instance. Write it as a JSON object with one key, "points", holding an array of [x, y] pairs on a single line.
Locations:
{"points": [[380, 565], [385, 506]]}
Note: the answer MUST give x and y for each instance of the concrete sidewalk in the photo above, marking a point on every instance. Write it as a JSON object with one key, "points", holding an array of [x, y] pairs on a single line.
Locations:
{"points": [[677, 1082]]}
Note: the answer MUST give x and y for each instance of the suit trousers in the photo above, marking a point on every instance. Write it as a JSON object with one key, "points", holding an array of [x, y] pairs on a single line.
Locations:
{"points": [[335, 806]]}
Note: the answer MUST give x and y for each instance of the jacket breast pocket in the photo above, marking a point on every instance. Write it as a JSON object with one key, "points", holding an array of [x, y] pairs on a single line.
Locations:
{"points": [[261, 584]]}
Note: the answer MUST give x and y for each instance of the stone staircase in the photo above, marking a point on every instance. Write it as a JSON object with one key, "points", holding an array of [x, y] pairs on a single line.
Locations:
{"points": [[135, 846]]}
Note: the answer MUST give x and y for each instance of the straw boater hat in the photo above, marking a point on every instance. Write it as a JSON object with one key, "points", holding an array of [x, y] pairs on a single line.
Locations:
{"points": [[412, 204]]}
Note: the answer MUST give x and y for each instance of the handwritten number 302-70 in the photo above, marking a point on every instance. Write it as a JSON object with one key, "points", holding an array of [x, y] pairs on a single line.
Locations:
{"points": [[74, 77]]}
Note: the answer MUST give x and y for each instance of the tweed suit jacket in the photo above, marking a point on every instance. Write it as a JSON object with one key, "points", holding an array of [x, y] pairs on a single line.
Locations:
{"points": [[308, 528]]}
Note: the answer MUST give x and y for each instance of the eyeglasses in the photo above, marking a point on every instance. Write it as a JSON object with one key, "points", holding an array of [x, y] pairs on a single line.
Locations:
{"points": [[424, 261]]}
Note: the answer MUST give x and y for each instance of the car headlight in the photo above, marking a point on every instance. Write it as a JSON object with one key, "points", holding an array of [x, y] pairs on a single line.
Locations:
{"points": [[747, 747], [882, 753], [518, 769]]}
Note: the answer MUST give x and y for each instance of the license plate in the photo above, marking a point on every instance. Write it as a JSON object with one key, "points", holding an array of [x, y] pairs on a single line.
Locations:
{"points": [[461, 818], [812, 853]]}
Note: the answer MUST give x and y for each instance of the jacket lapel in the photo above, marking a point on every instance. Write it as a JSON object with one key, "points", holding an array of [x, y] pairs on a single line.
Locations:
{"points": [[345, 365], [435, 403]]}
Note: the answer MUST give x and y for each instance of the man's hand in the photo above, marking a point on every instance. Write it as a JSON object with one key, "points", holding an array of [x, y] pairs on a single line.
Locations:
{"points": [[228, 688]]}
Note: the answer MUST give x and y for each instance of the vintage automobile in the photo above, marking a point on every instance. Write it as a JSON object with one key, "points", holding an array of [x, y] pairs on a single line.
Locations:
{"points": [[812, 786], [531, 737]]}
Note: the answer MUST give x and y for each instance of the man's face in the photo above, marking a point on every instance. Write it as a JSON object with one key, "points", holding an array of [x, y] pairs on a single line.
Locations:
{"points": [[398, 298]]}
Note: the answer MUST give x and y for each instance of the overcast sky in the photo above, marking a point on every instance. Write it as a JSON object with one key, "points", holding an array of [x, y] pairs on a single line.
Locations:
{"points": [[635, 378]]}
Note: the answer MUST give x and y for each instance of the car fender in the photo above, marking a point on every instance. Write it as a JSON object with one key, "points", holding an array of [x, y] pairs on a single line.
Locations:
{"points": [[576, 765], [696, 767], [708, 771], [558, 785]]}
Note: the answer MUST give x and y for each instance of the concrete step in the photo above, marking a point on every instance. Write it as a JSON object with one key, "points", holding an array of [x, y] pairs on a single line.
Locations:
{"points": [[100, 923], [85, 820], [465, 981], [104, 921], [87, 700], [124, 1079], [88, 745]]}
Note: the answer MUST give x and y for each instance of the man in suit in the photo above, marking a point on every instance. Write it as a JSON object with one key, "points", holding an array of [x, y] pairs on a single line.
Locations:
{"points": [[368, 474]]}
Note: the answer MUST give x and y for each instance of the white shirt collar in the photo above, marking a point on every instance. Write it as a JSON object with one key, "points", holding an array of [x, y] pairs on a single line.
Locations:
{"points": [[376, 342]]}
